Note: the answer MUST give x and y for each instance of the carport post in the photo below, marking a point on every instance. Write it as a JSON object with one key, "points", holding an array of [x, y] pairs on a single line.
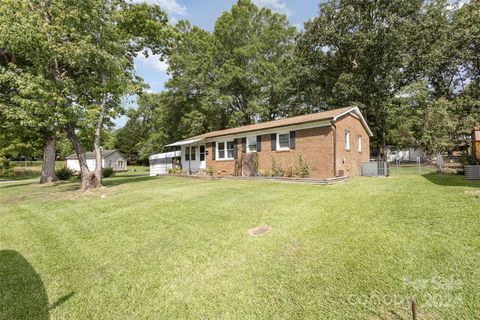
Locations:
{"points": [[189, 159]]}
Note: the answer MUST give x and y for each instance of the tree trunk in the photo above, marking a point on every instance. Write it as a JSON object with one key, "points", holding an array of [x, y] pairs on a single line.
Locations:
{"points": [[89, 180], [98, 135], [48, 165]]}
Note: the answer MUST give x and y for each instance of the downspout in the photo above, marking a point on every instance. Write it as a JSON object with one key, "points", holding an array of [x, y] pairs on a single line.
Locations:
{"points": [[334, 148]]}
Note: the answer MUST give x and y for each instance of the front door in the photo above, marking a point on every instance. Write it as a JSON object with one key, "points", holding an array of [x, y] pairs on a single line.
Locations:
{"points": [[202, 157]]}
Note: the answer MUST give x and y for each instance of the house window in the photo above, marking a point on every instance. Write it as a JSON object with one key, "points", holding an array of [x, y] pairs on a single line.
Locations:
{"points": [[109, 163], [202, 153], [347, 140], [120, 164], [283, 141], [359, 141], [225, 150], [192, 153], [230, 149], [252, 144]]}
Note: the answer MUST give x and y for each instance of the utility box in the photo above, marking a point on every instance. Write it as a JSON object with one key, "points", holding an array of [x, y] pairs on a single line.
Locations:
{"points": [[472, 172], [375, 169]]}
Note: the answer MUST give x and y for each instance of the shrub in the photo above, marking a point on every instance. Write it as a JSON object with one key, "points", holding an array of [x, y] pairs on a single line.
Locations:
{"points": [[303, 168], [209, 171], [277, 171], [289, 172], [264, 173], [174, 171], [64, 173], [6, 167], [107, 172]]}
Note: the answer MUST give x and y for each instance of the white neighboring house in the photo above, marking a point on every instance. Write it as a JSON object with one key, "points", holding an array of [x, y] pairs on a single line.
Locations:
{"points": [[110, 159]]}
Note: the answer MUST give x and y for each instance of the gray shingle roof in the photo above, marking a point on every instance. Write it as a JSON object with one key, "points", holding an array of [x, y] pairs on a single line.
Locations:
{"points": [[91, 154]]}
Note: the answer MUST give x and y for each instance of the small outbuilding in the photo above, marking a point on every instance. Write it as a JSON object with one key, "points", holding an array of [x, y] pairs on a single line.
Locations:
{"points": [[110, 159]]}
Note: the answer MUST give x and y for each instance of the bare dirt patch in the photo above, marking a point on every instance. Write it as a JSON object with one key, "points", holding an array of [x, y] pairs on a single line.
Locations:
{"points": [[473, 193], [259, 231]]}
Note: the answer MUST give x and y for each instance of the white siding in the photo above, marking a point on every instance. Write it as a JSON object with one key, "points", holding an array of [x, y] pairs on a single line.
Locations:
{"points": [[73, 164], [160, 163], [194, 164], [110, 161], [113, 161]]}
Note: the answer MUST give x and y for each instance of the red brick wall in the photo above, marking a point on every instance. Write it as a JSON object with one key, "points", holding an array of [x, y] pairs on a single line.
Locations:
{"points": [[315, 145], [350, 161]]}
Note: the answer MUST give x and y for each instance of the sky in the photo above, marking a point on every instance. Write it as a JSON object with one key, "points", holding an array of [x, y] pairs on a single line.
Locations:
{"points": [[204, 13]]}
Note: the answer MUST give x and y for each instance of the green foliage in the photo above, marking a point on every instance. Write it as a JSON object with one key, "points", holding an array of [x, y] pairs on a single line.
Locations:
{"points": [[175, 171], [209, 171], [108, 172], [64, 173], [6, 167], [277, 171], [302, 167]]}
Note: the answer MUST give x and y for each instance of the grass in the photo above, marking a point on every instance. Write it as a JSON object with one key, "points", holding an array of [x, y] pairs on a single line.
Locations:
{"points": [[134, 170], [175, 248], [33, 170]]}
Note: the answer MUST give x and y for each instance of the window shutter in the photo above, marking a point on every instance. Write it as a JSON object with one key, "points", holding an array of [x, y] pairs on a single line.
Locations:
{"points": [[292, 139], [235, 149], [244, 145], [273, 141], [259, 143], [214, 151]]}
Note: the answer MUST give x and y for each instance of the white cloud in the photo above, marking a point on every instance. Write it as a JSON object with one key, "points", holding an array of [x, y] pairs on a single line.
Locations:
{"points": [[153, 61], [171, 6], [275, 5]]}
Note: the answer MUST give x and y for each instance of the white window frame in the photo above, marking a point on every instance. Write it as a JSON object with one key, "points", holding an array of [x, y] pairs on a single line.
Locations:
{"points": [[347, 140], [217, 155], [252, 138], [120, 164], [278, 141], [359, 141]]}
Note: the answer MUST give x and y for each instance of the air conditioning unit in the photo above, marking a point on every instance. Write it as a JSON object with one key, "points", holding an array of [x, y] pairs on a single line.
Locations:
{"points": [[472, 172]]}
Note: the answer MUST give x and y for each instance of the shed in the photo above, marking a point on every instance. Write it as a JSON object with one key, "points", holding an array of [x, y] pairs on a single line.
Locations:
{"points": [[110, 159]]}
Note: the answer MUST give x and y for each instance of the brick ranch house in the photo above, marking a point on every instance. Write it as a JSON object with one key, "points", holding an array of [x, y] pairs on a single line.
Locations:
{"points": [[332, 143]]}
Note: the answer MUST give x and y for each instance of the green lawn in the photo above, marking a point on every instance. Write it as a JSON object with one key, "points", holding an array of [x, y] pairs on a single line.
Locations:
{"points": [[176, 248]]}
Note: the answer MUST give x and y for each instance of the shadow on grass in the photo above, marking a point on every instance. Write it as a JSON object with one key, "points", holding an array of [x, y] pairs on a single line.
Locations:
{"points": [[450, 180], [16, 184], [22, 293], [115, 181]]}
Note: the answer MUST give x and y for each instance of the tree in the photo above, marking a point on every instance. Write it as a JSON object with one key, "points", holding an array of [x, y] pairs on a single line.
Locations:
{"points": [[146, 131], [26, 92], [353, 53], [82, 61], [252, 47]]}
